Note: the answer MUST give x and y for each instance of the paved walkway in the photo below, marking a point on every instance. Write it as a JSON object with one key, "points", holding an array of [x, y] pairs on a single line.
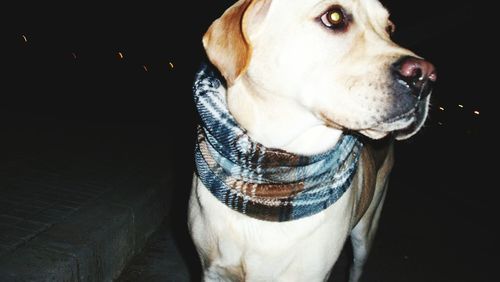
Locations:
{"points": [[77, 201]]}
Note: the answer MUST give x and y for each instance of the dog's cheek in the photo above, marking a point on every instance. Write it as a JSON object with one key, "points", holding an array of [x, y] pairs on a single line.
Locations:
{"points": [[365, 106], [342, 116]]}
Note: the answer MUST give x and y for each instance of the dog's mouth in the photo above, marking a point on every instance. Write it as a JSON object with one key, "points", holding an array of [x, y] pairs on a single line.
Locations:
{"points": [[402, 126]]}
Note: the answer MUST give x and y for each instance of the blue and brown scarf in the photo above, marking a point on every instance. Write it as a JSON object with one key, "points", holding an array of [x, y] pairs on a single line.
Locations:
{"points": [[264, 183]]}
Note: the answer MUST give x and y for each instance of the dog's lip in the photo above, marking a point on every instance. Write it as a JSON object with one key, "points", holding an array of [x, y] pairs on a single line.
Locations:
{"points": [[385, 128], [330, 123], [397, 125], [404, 122], [418, 118], [404, 118], [409, 114]]}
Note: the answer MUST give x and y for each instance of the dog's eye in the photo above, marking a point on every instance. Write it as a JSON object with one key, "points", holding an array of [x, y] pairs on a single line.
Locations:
{"points": [[335, 18]]}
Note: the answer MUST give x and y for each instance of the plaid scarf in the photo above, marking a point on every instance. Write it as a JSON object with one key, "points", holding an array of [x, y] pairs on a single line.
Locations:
{"points": [[264, 183]]}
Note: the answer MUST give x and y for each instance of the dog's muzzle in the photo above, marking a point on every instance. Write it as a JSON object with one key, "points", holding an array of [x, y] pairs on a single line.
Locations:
{"points": [[417, 75], [412, 82]]}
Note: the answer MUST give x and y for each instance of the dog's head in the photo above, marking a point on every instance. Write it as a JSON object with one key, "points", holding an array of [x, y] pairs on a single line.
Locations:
{"points": [[334, 57]]}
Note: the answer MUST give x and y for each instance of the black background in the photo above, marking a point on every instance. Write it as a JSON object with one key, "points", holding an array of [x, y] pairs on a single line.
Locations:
{"points": [[42, 76]]}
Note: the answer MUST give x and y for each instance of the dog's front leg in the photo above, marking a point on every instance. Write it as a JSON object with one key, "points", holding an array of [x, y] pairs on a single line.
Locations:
{"points": [[364, 232]]}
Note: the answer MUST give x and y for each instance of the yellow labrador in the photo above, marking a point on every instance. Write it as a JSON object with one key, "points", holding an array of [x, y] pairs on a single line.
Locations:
{"points": [[294, 96]]}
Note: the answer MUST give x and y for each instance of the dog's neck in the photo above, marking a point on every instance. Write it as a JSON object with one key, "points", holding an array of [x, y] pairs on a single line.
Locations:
{"points": [[276, 121]]}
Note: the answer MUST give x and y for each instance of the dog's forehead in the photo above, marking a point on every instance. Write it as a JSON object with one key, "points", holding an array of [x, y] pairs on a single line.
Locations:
{"points": [[372, 9]]}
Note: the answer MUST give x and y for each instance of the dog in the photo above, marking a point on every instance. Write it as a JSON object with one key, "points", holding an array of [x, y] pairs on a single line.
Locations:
{"points": [[299, 113]]}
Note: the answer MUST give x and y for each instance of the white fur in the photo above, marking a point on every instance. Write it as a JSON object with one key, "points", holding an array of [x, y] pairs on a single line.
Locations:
{"points": [[267, 251], [300, 78]]}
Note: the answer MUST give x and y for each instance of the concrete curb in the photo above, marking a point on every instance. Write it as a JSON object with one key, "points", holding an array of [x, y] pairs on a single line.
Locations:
{"points": [[73, 215], [94, 243]]}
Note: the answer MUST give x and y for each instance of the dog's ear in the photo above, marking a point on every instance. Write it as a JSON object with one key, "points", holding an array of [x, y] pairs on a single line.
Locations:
{"points": [[227, 41]]}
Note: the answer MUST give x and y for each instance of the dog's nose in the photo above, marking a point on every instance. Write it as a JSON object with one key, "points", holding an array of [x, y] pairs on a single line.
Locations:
{"points": [[417, 74]]}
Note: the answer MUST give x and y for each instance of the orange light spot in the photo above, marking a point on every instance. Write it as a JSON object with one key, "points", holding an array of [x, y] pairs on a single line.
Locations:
{"points": [[120, 55]]}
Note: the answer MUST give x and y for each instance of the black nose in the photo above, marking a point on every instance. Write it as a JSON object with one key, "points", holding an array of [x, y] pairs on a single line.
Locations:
{"points": [[417, 74]]}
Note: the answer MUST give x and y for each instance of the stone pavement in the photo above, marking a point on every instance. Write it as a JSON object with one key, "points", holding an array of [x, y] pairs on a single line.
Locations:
{"points": [[78, 201]]}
